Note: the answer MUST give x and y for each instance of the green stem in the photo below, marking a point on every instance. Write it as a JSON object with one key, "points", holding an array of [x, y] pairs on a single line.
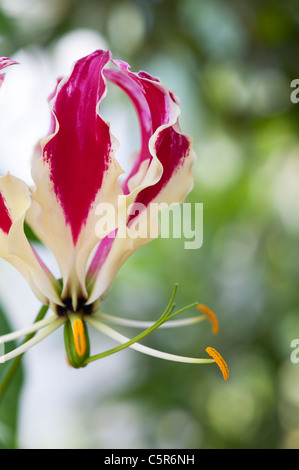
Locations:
{"points": [[16, 362]]}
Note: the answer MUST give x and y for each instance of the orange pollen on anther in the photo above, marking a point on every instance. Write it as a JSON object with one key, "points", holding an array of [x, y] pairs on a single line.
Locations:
{"points": [[211, 315], [219, 361], [79, 336]]}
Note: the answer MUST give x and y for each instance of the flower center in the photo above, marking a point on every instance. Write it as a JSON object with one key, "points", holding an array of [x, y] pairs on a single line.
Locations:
{"points": [[68, 307]]}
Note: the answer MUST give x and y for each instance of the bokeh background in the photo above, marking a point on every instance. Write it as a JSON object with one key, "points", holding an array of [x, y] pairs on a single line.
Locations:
{"points": [[231, 63]]}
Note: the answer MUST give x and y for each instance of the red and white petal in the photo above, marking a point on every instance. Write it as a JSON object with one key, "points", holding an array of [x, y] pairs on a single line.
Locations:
{"points": [[110, 256], [5, 62], [14, 246], [162, 169], [76, 171], [161, 174], [163, 147]]}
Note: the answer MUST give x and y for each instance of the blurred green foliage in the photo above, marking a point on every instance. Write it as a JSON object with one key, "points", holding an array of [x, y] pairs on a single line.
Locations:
{"points": [[231, 63], [9, 402]]}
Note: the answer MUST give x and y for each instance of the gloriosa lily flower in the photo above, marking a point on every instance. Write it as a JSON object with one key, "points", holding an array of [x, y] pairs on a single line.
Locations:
{"points": [[74, 170]]}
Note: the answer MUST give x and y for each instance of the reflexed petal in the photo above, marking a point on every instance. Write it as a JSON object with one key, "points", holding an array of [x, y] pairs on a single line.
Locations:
{"points": [[164, 149], [76, 172], [161, 173], [14, 246]]}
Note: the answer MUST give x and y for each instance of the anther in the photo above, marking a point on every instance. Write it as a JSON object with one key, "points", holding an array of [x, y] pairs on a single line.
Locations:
{"points": [[219, 361], [79, 336], [211, 315]]}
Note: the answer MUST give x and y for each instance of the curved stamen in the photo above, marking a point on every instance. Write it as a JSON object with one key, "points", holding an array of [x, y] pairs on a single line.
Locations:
{"points": [[126, 342], [32, 342], [28, 329]]}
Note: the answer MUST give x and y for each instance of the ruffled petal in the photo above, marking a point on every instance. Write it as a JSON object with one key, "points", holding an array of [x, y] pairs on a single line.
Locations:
{"points": [[14, 246], [77, 170], [161, 173]]}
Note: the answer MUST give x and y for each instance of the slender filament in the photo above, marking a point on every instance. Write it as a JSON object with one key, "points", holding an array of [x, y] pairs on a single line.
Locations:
{"points": [[126, 342], [145, 324], [28, 329], [33, 341]]}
